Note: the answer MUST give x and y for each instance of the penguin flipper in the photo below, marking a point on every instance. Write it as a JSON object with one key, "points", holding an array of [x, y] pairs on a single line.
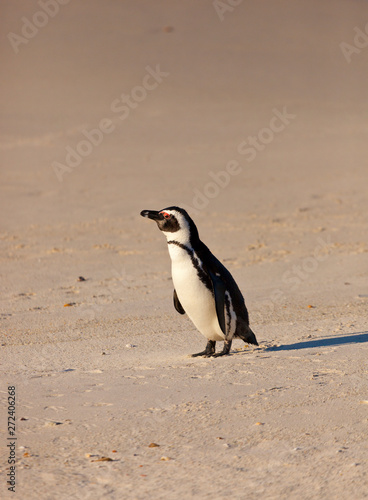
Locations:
{"points": [[177, 304], [219, 290]]}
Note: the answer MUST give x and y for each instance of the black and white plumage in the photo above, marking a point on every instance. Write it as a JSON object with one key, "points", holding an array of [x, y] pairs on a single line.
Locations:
{"points": [[203, 287]]}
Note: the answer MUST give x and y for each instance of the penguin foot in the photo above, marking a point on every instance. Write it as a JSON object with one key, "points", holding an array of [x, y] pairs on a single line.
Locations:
{"points": [[225, 350], [208, 352]]}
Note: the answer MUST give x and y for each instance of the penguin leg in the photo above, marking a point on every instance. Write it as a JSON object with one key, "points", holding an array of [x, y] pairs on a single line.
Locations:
{"points": [[225, 350], [209, 351]]}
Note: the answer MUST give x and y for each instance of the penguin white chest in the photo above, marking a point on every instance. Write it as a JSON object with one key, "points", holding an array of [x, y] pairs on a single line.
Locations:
{"points": [[197, 300]]}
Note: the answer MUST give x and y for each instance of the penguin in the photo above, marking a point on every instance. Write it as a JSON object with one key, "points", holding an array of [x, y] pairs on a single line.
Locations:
{"points": [[203, 288]]}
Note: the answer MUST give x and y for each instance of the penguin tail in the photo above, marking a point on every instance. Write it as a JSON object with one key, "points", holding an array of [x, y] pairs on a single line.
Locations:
{"points": [[248, 336], [252, 338]]}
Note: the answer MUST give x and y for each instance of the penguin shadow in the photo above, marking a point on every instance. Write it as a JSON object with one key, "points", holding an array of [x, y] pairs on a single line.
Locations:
{"points": [[352, 338]]}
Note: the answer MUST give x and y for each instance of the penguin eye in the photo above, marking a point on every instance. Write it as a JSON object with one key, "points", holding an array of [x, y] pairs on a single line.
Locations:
{"points": [[166, 215]]}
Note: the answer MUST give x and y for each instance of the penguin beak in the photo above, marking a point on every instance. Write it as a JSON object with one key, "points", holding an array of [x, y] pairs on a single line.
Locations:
{"points": [[152, 214]]}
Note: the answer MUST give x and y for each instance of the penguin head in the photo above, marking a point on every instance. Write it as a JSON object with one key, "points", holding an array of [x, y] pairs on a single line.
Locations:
{"points": [[175, 223]]}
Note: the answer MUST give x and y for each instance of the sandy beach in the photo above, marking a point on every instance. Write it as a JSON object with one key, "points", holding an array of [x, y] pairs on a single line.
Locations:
{"points": [[253, 117]]}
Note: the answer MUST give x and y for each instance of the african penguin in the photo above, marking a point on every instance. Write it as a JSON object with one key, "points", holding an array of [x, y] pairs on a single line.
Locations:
{"points": [[203, 287]]}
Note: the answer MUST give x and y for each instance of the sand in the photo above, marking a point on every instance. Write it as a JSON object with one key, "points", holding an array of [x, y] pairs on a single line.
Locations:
{"points": [[254, 118]]}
